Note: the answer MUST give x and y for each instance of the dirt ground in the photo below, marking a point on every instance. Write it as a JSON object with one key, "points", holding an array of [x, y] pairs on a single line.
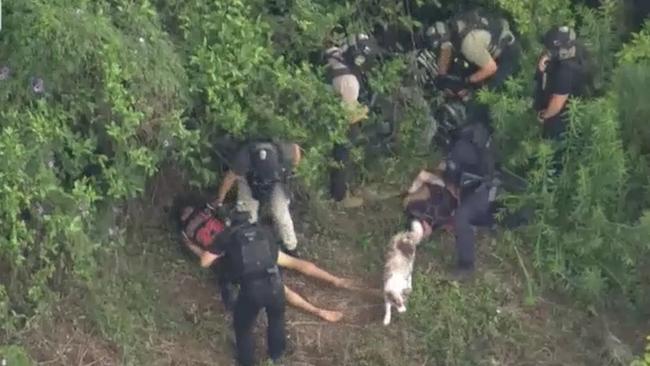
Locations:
{"points": [[187, 325]]}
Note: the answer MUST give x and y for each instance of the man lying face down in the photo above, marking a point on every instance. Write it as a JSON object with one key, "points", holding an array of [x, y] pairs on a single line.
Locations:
{"points": [[430, 204], [200, 228], [462, 187]]}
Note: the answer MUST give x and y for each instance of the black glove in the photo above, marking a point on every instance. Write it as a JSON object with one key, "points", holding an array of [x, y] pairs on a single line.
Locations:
{"points": [[451, 82], [219, 211]]}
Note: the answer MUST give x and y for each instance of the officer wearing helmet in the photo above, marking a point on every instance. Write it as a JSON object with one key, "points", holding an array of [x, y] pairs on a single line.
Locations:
{"points": [[561, 74], [468, 172], [346, 66], [262, 169], [483, 40], [252, 257]]}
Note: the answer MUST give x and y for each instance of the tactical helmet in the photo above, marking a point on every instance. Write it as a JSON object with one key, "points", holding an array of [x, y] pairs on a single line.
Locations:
{"points": [[437, 34], [363, 48], [560, 43]]}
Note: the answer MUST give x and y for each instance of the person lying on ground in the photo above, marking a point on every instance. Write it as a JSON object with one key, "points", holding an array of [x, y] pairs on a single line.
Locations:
{"points": [[461, 188], [200, 228], [429, 204]]}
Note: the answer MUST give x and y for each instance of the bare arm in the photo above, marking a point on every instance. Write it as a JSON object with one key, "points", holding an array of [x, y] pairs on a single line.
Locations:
{"points": [[444, 60], [484, 72], [425, 177], [208, 258], [225, 187], [297, 155], [555, 105], [310, 269]]}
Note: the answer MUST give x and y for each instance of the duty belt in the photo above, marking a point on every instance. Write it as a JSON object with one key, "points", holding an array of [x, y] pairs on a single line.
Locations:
{"points": [[493, 185], [258, 275]]}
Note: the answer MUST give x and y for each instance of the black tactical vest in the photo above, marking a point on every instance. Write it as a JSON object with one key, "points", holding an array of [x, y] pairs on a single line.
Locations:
{"points": [[262, 184], [252, 253]]}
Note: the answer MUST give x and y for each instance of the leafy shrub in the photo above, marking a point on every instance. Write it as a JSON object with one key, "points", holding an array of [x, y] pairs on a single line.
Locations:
{"points": [[585, 238], [97, 95], [92, 106]]}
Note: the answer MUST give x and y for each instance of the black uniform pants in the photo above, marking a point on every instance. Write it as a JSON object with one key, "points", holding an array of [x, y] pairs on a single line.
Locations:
{"points": [[554, 129], [226, 287], [340, 174], [474, 210], [255, 295]]}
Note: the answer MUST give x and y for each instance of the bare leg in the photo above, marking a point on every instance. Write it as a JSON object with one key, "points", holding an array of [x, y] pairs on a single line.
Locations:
{"points": [[299, 302], [310, 269]]}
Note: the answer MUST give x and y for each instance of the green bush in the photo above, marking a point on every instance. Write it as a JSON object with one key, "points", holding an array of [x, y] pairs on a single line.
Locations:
{"points": [[589, 227], [100, 94], [107, 115]]}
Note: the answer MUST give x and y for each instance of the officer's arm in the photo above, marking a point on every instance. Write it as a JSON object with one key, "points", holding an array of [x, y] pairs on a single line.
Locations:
{"points": [[297, 155], [444, 59], [484, 72], [425, 177], [225, 187], [555, 106]]}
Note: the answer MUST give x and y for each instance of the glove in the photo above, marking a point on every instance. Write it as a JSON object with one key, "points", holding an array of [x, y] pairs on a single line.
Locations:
{"points": [[209, 208], [451, 82], [219, 211]]}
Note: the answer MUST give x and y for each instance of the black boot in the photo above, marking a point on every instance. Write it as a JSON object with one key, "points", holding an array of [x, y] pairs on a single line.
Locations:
{"points": [[461, 273]]}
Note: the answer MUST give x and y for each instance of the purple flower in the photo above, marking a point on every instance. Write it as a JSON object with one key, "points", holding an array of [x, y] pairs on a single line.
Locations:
{"points": [[37, 85], [5, 72]]}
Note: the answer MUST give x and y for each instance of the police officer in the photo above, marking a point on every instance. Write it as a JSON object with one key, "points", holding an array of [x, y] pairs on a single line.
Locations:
{"points": [[261, 170], [469, 170], [252, 256], [561, 75], [484, 40], [346, 66]]}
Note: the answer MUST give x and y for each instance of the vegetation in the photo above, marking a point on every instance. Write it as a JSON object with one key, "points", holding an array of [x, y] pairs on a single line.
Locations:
{"points": [[101, 97]]}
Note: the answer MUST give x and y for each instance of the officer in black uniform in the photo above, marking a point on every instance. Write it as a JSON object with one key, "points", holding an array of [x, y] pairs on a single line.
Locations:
{"points": [[484, 41], [469, 168], [252, 257], [561, 74], [262, 170], [346, 68]]}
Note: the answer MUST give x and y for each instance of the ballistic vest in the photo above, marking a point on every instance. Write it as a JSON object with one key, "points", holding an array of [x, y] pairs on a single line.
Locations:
{"points": [[252, 254], [478, 19], [263, 175]]}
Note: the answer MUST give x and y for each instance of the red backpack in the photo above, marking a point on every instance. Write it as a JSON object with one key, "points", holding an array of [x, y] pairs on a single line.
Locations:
{"points": [[202, 228]]}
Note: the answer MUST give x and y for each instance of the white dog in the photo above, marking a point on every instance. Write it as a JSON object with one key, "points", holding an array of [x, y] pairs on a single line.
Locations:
{"points": [[399, 267]]}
